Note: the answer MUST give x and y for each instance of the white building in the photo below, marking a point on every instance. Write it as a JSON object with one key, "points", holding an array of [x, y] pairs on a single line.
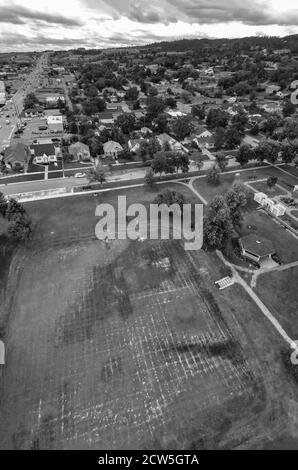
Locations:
{"points": [[272, 206], [55, 123], [2, 93], [175, 113]]}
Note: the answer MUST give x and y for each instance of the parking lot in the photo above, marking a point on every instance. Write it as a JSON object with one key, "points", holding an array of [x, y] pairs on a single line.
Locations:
{"points": [[32, 130]]}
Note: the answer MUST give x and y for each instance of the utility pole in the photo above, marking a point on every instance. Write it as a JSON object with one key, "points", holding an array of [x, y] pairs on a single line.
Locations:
{"points": [[63, 173]]}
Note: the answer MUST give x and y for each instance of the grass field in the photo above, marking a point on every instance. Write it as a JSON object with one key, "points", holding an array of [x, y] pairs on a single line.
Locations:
{"points": [[279, 291], [263, 187], [107, 349], [208, 191], [261, 223], [291, 169]]}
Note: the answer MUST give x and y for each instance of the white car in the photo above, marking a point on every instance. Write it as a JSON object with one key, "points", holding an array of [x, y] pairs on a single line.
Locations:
{"points": [[80, 175]]}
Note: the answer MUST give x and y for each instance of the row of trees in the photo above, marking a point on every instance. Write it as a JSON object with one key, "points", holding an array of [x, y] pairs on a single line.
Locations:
{"points": [[170, 162], [269, 150]]}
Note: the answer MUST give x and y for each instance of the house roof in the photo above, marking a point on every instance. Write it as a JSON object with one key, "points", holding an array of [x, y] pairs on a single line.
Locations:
{"points": [[163, 138], [134, 142], [105, 115], [79, 145], [36, 109], [145, 130], [111, 146], [257, 245], [43, 149], [201, 132], [57, 119], [18, 152]]}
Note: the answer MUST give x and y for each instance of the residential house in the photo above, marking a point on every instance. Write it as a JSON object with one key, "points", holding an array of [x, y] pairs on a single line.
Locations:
{"points": [[145, 131], [50, 96], [184, 108], [254, 119], [44, 153], [166, 140], [271, 107], [204, 138], [17, 156], [79, 151], [140, 116], [134, 145], [272, 89], [121, 94], [112, 149], [106, 118], [175, 113], [282, 51], [33, 112]]}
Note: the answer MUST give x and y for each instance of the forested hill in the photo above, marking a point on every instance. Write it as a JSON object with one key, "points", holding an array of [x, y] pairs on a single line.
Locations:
{"points": [[270, 43]]}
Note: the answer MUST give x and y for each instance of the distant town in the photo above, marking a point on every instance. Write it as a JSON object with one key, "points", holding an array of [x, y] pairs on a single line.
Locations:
{"points": [[133, 344]]}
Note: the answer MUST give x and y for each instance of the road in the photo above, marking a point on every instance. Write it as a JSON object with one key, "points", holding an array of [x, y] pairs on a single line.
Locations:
{"points": [[30, 186], [69, 182], [14, 106]]}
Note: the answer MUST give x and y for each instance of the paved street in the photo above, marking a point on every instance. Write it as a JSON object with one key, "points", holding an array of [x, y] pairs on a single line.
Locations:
{"points": [[29, 186], [14, 106]]}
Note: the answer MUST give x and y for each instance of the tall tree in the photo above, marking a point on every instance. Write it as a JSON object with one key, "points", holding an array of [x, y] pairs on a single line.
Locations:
{"points": [[96, 174], [21, 228], [159, 163], [213, 175], [237, 199], [218, 225], [182, 126], [149, 178], [170, 197], [221, 160], [244, 154]]}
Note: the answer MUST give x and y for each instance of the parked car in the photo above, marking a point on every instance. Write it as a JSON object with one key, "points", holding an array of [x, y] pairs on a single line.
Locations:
{"points": [[80, 175]]}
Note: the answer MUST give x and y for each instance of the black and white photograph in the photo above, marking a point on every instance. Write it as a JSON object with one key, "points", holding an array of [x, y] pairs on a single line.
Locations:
{"points": [[148, 228]]}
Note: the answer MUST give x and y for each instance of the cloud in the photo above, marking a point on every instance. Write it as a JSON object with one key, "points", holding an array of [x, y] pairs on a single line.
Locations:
{"points": [[42, 24], [256, 12], [20, 15]]}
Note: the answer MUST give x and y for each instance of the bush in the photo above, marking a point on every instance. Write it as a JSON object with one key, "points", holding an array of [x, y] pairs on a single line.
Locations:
{"points": [[290, 367]]}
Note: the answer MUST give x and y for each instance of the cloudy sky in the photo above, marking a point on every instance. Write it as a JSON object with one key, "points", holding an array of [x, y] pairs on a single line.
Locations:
{"points": [[55, 24]]}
